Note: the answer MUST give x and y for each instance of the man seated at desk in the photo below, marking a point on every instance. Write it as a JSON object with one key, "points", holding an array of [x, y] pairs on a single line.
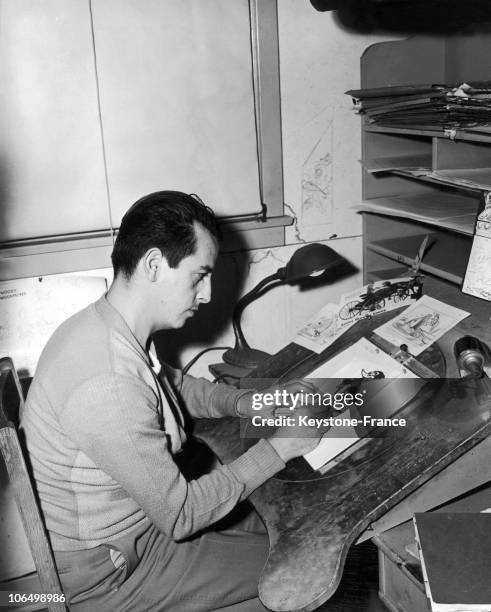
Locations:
{"points": [[103, 432]]}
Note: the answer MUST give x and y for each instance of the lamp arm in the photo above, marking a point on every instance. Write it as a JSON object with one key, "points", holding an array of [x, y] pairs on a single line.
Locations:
{"points": [[244, 301]]}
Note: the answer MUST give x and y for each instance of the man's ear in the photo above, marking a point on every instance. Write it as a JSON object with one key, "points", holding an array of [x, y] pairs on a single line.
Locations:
{"points": [[154, 263]]}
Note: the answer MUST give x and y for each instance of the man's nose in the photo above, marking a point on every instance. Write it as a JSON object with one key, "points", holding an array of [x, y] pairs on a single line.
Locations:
{"points": [[204, 294]]}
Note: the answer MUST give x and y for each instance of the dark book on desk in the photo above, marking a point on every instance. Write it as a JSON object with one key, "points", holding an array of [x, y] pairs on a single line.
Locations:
{"points": [[455, 553]]}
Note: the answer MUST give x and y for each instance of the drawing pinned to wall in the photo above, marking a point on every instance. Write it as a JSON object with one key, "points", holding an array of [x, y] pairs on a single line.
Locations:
{"points": [[317, 203]]}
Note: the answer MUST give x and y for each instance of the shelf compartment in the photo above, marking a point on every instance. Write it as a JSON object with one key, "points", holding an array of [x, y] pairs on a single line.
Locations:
{"points": [[475, 180], [445, 256], [457, 135], [449, 211], [451, 155], [397, 162]]}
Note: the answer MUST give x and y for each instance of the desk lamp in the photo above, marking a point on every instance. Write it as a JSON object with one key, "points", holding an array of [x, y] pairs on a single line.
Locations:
{"points": [[308, 261]]}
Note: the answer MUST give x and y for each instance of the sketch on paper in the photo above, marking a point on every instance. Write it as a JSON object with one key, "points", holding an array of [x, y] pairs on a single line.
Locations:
{"points": [[421, 324], [362, 360], [317, 206], [323, 329], [477, 279], [334, 319]]}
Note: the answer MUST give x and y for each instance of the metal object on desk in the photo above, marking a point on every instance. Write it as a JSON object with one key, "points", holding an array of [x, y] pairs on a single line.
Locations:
{"points": [[471, 356], [402, 355]]}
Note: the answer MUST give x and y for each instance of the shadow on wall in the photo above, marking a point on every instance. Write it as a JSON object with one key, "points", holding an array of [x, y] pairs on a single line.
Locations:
{"points": [[213, 319], [410, 16]]}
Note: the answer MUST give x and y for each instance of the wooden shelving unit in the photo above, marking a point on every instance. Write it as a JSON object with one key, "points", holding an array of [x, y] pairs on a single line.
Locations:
{"points": [[402, 205], [410, 176], [423, 181]]}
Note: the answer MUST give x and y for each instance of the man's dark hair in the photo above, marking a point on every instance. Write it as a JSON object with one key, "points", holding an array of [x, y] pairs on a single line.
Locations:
{"points": [[164, 219]]}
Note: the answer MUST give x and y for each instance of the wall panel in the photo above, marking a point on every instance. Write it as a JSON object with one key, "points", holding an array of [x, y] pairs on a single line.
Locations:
{"points": [[177, 100], [51, 168]]}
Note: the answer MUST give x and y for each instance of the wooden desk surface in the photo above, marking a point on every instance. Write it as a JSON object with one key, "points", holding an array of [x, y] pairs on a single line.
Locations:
{"points": [[313, 519]]}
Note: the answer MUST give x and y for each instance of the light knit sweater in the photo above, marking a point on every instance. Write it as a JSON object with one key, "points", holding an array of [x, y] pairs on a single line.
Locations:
{"points": [[101, 429]]}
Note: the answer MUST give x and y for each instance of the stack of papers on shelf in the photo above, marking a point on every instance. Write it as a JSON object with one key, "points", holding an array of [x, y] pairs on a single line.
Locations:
{"points": [[455, 551], [426, 106]]}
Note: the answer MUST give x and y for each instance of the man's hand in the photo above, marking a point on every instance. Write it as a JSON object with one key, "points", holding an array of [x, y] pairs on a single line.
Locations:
{"points": [[277, 399], [302, 436], [296, 402]]}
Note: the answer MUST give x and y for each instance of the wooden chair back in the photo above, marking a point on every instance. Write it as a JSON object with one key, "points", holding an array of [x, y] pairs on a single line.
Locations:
{"points": [[11, 401]]}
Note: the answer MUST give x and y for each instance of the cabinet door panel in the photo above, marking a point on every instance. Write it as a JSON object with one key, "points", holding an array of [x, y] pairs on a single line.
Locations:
{"points": [[177, 100], [51, 168]]}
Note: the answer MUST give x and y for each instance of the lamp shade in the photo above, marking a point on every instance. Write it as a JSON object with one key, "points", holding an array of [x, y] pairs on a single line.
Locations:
{"points": [[310, 260]]}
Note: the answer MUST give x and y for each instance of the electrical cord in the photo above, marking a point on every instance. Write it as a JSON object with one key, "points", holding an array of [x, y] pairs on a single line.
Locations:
{"points": [[196, 357]]}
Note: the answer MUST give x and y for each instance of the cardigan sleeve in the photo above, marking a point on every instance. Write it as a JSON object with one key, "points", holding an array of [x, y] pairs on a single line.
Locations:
{"points": [[114, 420], [202, 398]]}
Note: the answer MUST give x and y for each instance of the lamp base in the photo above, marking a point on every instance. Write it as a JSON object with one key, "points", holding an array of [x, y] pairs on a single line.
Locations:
{"points": [[244, 357]]}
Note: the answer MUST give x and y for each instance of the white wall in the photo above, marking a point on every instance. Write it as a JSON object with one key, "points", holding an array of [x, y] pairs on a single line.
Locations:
{"points": [[319, 61]]}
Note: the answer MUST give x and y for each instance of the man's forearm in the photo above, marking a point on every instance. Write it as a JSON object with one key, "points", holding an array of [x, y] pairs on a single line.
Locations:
{"points": [[205, 399]]}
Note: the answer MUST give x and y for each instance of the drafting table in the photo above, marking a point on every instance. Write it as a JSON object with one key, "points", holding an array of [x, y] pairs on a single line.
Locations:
{"points": [[313, 519]]}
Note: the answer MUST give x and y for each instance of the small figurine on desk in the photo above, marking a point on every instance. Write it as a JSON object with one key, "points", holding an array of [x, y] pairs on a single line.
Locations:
{"points": [[374, 300], [372, 374]]}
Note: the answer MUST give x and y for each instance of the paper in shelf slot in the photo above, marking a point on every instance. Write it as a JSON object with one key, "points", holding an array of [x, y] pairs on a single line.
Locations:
{"points": [[415, 163], [477, 280]]}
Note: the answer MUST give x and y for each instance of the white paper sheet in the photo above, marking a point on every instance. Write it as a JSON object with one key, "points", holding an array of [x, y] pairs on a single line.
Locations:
{"points": [[477, 279], [361, 360], [32, 308], [323, 329]]}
